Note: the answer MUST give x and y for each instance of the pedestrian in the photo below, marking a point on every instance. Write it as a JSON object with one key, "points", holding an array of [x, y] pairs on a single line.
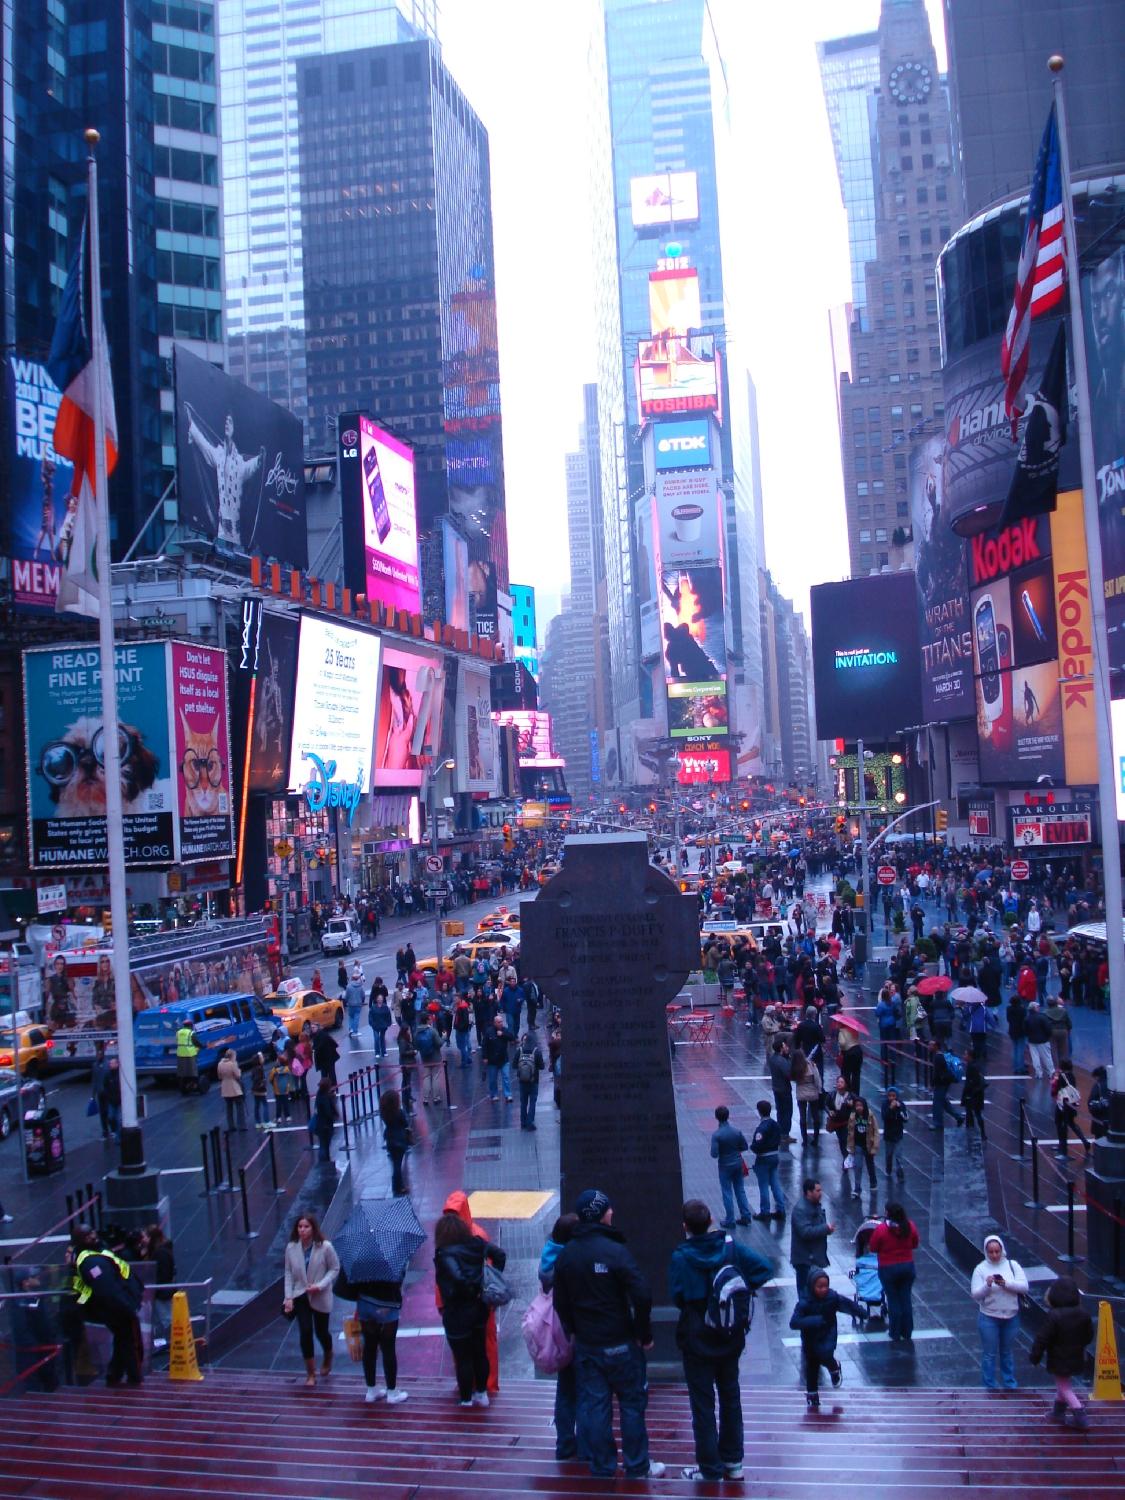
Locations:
{"points": [[353, 999], [566, 1385], [727, 1145], [1064, 1339], [324, 1117], [814, 1318], [230, 1087], [863, 1147], [98, 1074], [943, 1080], [325, 1054], [311, 1266], [397, 1137], [428, 1043], [284, 1086], [1061, 1025], [378, 1309], [808, 1244], [341, 976], [109, 1098], [839, 1115], [187, 1055], [808, 1087], [463, 1029], [529, 1065], [458, 1203], [459, 1258], [781, 1080], [972, 1094], [894, 1128], [605, 1304], [259, 1092], [1067, 1100], [407, 1062], [998, 1284], [1098, 1102], [107, 1291], [709, 1270], [851, 1058], [496, 1052], [161, 1251], [765, 1146], [893, 1243], [1038, 1031], [317, 982], [890, 1016]]}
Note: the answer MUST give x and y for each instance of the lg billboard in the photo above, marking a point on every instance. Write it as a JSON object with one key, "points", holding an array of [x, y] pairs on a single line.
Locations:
{"points": [[377, 497], [866, 657]]}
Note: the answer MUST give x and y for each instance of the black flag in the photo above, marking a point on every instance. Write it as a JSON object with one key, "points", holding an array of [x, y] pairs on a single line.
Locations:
{"points": [[1035, 483]]}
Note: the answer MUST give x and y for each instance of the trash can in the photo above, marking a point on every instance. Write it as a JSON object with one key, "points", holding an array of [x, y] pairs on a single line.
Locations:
{"points": [[43, 1137], [876, 975]]}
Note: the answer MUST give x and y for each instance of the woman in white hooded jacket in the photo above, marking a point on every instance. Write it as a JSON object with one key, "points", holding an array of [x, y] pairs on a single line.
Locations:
{"points": [[997, 1285]]}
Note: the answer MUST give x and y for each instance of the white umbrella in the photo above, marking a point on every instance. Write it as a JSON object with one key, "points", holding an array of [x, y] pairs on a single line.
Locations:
{"points": [[968, 994]]}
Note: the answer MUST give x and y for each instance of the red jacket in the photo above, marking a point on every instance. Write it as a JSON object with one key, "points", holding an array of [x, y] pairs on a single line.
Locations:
{"points": [[892, 1248], [1026, 987]]}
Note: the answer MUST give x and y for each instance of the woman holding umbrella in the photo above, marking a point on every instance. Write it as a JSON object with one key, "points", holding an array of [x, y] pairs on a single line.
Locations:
{"points": [[375, 1247]]}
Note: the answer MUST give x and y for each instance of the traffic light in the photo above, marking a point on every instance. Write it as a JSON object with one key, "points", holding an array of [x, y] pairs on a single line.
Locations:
{"points": [[745, 805], [507, 830], [841, 823], [941, 820], [652, 807]]}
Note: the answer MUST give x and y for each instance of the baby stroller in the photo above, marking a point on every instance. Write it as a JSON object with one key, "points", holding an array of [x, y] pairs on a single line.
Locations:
{"points": [[868, 1288]]}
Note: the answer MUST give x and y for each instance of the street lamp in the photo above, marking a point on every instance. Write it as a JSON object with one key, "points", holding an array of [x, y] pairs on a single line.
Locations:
{"points": [[435, 857]]}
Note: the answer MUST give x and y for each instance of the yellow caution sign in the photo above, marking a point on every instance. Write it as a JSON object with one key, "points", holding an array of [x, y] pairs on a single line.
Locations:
{"points": [[182, 1364], [1107, 1371]]}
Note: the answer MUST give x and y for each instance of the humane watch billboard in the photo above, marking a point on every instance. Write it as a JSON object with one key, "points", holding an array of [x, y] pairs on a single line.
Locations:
{"points": [[866, 657]]}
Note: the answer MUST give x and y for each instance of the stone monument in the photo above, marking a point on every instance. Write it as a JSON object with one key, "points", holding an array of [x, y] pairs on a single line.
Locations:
{"points": [[611, 939]]}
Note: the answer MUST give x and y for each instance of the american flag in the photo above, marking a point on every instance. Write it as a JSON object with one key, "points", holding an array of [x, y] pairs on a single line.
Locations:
{"points": [[1041, 273]]}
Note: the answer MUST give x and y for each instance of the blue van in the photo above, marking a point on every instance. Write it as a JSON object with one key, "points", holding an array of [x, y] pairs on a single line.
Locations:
{"points": [[244, 1022]]}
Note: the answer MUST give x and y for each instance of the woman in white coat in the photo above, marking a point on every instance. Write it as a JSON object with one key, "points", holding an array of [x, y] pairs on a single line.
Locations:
{"points": [[311, 1266], [997, 1286]]}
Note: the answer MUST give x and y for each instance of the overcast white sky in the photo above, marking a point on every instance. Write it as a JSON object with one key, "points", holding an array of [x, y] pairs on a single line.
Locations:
{"points": [[522, 65]]}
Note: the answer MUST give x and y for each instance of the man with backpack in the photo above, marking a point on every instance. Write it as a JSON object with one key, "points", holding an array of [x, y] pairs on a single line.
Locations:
{"points": [[712, 1279], [529, 1065], [428, 1045], [947, 1070], [889, 1014]]}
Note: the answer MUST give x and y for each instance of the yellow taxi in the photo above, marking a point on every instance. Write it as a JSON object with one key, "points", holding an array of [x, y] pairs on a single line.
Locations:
{"points": [[293, 1005], [485, 944], [501, 920], [34, 1049], [429, 965]]}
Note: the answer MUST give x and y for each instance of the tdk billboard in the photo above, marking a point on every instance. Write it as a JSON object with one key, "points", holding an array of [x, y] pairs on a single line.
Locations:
{"points": [[682, 444]]}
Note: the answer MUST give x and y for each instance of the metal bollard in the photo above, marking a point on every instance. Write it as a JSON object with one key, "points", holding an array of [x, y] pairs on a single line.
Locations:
{"points": [[216, 1157], [1070, 1258], [1019, 1155], [278, 1190], [206, 1163], [230, 1164], [344, 1120], [1034, 1202], [248, 1234], [98, 1202]]}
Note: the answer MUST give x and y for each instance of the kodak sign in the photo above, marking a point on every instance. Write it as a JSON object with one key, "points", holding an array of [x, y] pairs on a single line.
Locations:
{"points": [[1076, 640]]}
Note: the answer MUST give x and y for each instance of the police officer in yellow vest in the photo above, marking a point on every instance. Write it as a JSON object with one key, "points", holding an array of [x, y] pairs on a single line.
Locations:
{"points": [[107, 1291], [187, 1070]]}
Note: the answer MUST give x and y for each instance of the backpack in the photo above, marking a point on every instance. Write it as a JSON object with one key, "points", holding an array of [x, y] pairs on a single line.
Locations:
{"points": [[545, 1337], [428, 1044], [730, 1305], [526, 1071], [955, 1066]]}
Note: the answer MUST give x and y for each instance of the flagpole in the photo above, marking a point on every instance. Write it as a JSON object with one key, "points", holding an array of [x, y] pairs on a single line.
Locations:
{"points": [[1107, 795], [132, 1144]]}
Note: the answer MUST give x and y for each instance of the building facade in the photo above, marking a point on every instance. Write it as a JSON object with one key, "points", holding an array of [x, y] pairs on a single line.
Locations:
{"points": [[525, 632], [849, 72], [259, 50], [892, 398], [399, 291]]}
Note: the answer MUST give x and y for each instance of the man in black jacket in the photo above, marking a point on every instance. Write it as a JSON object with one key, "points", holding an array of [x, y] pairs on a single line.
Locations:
{"points": [[605, 1304]]}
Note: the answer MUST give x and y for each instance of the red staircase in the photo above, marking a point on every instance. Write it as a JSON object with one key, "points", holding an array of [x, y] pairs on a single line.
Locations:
{"points": [[245, 1435]]}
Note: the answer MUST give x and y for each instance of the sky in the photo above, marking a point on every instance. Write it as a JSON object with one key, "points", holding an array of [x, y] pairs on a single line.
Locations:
{"points": [[522, 65]]}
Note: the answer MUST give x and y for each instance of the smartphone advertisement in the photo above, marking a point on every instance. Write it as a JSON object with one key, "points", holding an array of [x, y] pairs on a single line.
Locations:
{"points": [[377, 496]]}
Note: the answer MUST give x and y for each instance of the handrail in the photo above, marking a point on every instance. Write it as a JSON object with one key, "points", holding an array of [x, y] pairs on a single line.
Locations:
{"points": [[77, 1213], [148, 1286]]}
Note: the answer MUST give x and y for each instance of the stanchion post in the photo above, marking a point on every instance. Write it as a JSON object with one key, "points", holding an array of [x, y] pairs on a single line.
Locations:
{"points": [[249, 1234], [344, 1118], [278, 1190], [1019, 1155], [70, 1206], [1034, 1201], [216, 1157], [206, 1164], [1070, 1258], [90, 1203], [230, 1164]]}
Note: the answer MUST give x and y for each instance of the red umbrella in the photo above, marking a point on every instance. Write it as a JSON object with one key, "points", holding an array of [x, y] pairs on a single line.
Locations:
{"points": [[853, 1023], [934, 984]]}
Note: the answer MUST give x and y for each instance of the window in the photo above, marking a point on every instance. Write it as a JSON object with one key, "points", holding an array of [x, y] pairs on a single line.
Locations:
{"points": [[925, 137], [865, 562], [412, 67], [882, 560], [916, 411], [904, 138], [908, 309], [379, 71], [345, 77], [904, 242], [927, 236], [904, 119], [901, 509], [927, 161], [941, 193], [922, 195], [900, 200], [912, 356], [865, 536], [877, 487], [907, 163], [312, 82], [896, 413], [873, 413], [861, 487], [908, 286]]}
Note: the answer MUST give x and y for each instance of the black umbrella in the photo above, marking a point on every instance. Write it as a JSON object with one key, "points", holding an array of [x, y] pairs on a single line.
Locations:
{"points": [[379, 1239]]}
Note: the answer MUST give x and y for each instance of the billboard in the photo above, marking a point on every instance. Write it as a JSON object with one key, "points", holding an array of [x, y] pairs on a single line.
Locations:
{"points": [[455, 559], [866, 657], [268, 659], [697, 710], [682, 444], [1117, 718], [240, 464], [703, 764], [377, 498], [175, 754], [677, 374], [534, 746], [693, 623], [333, 706], [409, 716], [201, 729], [476, 735], [673, 301], [663, 199], [688, 518], [39, 485], [1104, 303], [944, 627]]}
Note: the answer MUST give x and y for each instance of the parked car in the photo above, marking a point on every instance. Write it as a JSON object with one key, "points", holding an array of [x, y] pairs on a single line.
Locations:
{"points": [[340, 935], [10, 1094]]}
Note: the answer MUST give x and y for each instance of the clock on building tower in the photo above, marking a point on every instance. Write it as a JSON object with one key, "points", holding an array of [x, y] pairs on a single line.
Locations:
{"points": [[910, 83]]}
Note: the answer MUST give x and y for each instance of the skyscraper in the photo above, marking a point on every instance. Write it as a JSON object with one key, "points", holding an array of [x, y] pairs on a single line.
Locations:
{"points": [[849, 71], [261, 154], [399, 295], [892, 398]]}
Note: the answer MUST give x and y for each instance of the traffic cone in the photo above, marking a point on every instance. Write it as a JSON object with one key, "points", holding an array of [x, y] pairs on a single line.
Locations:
{"points": [[1107, 1371], [182, 1363]]}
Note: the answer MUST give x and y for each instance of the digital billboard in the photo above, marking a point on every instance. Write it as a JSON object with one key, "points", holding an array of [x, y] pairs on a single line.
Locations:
{"points": [[534, 746], [693, 627], [866, 657], [476, 734], [1019, 723], [944, 625], [175, 754], [39, 485], [1104, 303], [682, 444], [688, 518], [409, 717], [266, 671], [240, 464], [334, 705], [676, 374], [1117, 718], [664, 198], [377, 496], [455, 560], [703, 764], [697, 710], [673, 301]]}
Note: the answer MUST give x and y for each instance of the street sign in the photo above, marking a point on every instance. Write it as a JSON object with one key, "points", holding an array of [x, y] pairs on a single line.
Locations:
{"points": [[283, 882], [434, 864], [887, 875], [283, 849], [1021, 870]]}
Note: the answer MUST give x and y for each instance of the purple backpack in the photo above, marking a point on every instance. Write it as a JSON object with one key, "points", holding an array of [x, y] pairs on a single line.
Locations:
{"points": [[547, 1343]]}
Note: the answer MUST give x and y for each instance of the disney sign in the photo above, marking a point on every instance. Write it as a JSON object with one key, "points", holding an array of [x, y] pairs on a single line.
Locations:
{"points": [[323, 791]]}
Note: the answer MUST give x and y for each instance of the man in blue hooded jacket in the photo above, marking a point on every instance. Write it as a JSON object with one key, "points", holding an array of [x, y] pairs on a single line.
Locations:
{"points": [[711, 1355], [814, 1318]]}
